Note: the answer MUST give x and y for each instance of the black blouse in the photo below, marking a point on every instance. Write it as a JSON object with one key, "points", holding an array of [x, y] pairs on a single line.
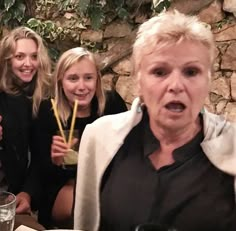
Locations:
{"points": [[189, 195]]}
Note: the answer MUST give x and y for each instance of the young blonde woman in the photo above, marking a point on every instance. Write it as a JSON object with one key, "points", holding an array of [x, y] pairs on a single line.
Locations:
{"points": [[76, 77], [24, 83]]}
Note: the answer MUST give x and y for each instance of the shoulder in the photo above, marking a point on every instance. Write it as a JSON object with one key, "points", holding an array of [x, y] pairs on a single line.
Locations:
{"points": [[117, 123], [45, 121], [110, 119], [45, 105], [216, 124], [19, 103], [112, 95], [107, 127], [114, 103], [45, 110], [14, 98]]}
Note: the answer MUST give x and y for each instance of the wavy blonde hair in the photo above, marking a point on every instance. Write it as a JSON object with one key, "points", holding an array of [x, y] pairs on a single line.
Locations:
{"points": [[170, 28], [66, 60], [42, 88]]}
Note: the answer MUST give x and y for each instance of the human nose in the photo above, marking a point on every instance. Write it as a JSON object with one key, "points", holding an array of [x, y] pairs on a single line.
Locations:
{"points": [[81, 84], [176, 83], [27, 61]]}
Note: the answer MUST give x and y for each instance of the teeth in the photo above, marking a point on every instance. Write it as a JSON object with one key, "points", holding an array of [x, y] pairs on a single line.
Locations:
{"points": [[175, 107], [26, 71]]}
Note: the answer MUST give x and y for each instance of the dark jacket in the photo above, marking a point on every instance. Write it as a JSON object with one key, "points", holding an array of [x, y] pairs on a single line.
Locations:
{"points": [[16, 112]]}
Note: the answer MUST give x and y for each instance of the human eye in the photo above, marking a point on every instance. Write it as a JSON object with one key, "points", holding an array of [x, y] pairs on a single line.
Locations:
{"points": [[160, 72], [72, 78], [19, 56], [34, 56], [191, 71], [88, 77]]}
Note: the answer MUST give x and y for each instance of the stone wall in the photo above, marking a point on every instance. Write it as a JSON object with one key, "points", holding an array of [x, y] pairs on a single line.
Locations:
{"points": [[219, 14], [116, 38]]}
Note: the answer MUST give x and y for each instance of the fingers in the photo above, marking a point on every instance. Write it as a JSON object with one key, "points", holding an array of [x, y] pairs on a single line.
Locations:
{"points": [[74, 142], [58, 150], [58, 143], [22, 203], [58, 160], [22, 207]]}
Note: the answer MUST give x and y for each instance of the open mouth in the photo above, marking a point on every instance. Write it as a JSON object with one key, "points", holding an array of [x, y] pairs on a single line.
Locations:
{"points": [[175, 106], [26, 72]]}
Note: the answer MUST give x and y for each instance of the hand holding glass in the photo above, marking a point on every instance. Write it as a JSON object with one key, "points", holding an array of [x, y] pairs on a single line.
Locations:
{"points": [[71, 156], [7, 211]]}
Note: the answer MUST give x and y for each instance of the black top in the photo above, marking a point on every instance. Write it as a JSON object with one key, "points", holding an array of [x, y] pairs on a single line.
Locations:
{"points": [[189, 195], [16, 112], [45, 127]]}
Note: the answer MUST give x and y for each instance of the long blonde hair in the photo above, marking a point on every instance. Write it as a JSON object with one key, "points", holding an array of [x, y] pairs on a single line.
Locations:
{"points": [[66, 60], [42, 88]]}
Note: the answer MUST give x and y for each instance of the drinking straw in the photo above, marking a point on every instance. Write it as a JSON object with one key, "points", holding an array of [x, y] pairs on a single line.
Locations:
{"points": [[58, 119], [73, 122]]}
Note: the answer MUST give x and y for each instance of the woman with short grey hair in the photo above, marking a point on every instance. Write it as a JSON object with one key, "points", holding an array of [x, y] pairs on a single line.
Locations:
{"points": [[166, 163]]}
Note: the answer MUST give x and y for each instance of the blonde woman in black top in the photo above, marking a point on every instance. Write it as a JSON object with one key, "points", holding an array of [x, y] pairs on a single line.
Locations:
{"points": [[24, 82], [76, 77]]}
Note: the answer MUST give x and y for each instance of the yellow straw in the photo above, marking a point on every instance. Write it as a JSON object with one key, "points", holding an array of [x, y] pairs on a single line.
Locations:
{"points": [[58, 120], [73, 122]]}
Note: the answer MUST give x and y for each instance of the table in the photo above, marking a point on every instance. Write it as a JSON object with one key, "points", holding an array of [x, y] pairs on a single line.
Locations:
{"points": [[27, 220]]}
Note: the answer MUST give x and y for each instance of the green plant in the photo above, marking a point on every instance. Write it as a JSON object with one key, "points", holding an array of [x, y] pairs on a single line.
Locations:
{"points": [[97, 11], [50, 32], [12, 12], [161, 5], [53, 53], [47, 29], [221, 23]]}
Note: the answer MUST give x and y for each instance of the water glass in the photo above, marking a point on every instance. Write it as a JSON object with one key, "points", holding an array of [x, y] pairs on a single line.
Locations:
{"points": [[7, 211]]}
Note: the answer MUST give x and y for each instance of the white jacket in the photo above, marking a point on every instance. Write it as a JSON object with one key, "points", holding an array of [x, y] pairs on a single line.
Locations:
{"points": [[102, 139]]}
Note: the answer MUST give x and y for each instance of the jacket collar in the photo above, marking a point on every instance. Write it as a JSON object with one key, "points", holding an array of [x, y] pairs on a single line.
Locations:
{"points": [[219, 142]]}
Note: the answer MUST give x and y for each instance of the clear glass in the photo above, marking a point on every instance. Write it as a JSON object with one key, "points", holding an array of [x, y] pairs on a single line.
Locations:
{"points": [[7, 211]]}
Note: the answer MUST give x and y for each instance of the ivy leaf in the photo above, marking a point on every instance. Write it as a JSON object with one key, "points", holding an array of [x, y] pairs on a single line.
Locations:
{"points": [[19, 11], [59, 30], [83, 6], [119, 3], [161, 5], [96, 15], [6, 17], [64, 4], [52, 36], [53, 53], [33, 23], [123, 13], [49, 25], [8, 4]]}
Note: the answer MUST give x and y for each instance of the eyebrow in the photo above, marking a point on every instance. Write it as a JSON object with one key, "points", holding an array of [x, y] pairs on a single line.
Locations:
{"points": [[23, 53], [90, 73], [72, 75], [192, 62], [195, 62]]}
